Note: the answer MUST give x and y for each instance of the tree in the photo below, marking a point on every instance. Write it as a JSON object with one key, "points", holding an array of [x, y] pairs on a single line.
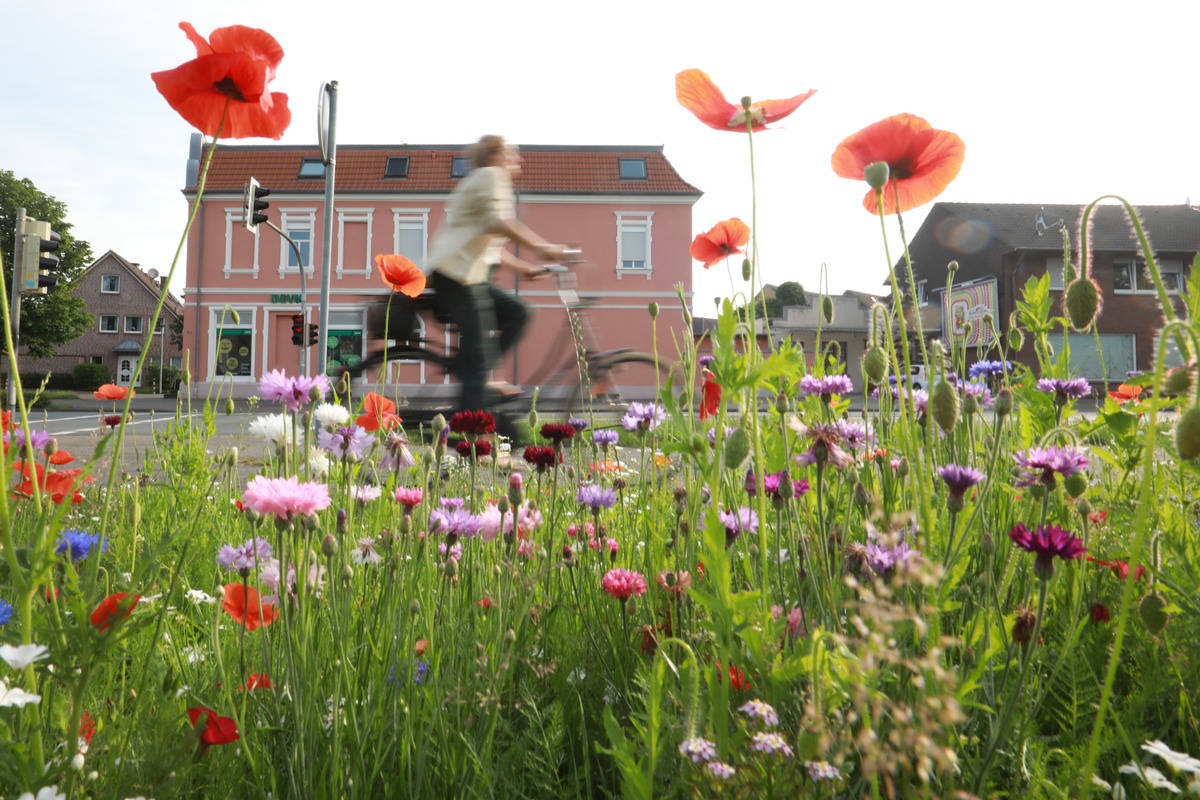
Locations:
{"points": [[790, 293], [58, 317]]}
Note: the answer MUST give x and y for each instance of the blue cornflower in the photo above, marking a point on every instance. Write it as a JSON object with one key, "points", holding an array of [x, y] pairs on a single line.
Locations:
{"points": [[981, 370], [595, 497], [76, 545], [578, 423], [605, 438], [1064, 390], [6, 613]]}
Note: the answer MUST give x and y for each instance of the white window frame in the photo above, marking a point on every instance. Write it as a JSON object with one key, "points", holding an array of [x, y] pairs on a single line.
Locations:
{"points": [[366, 215], [411, 219], [100, 323], [1057, 272], [1135, 266], [249, 319], [632, 222], [291, 219], [104, 278], [161, 326], [233, 218], [141, 328]]}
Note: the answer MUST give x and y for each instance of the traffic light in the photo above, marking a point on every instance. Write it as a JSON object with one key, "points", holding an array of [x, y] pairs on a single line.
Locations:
{"points": [[312, 333], [38, 244], [253, 206], [298, 329]]}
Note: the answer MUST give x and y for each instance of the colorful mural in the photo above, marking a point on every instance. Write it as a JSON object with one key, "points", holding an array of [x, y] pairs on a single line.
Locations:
{"points": [[968, 305]]}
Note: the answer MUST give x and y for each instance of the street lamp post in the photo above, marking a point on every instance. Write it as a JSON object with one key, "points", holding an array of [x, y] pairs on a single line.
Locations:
{"points": [[162, 351]]}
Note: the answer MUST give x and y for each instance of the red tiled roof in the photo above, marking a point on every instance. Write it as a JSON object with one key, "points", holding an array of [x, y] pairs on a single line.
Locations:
{"points": [[545, 169]]}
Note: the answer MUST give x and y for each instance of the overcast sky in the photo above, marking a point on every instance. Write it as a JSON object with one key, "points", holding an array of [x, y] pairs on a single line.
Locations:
{"points": [[1058, 102]]}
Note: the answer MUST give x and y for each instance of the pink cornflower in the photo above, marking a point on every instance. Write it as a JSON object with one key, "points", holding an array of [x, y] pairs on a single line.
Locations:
{"points": [[1047, 542], [613, 547], [285, 498], [825, 445], [409, 497], [623, 584], [1042, 464]]}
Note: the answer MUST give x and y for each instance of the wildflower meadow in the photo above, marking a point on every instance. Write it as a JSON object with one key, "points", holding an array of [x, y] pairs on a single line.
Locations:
{"points": [[760, 584]]}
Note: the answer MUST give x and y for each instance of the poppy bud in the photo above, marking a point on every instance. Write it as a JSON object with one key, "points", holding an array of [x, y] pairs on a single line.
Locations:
{"points": [[827, 309], [875, 364], [329, 546], [1004, 402], [747, 269], [315, 394], [1153, 611], [1083, 507], [943, 406], [1082, 303], [1075, 484], [231, 458], [952, 267], [186, 377], [902, 469], [414, 607], [698, 443], [737, 447], [653, 309], [987, 544], [439, 424], [1187, 434], [229, 406], [877, 174], [533, 419], [1016, 339], [1178, 380]]}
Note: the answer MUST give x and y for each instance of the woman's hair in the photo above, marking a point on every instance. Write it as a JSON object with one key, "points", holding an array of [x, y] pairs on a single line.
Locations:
{"points": [[484, 151]]}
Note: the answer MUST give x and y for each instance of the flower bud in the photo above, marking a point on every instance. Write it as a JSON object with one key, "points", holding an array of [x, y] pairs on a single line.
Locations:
{"points": [[653, 309], [1082, 303], [1178, 380], [312, 523], [347, 573], [619, 483], [1153, 612], [1004, 402], [329, 546], [737, 447], [747, 269], [862, 498], [510, 636], [1083, 507], [782, 403], [787, 487], [877, 174], [827, 309], [943, 405], [450, 568], [1187, 434], [1016, 339], [516, 488], [186, 377], [987, 544], [229, 406], [1075, 484], [533, 419], [952, 267], [414, 607], [970, 404], [746, 103], [875, 364], [342, 522], [439, 424], [406, 524], [51, 446], [77, 762], [231, 457], [631, 606], [315, 394], [954, 502], [902, 469]]}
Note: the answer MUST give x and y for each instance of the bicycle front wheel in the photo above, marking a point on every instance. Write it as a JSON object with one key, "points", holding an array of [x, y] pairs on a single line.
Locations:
{"points": [[616, 379]]}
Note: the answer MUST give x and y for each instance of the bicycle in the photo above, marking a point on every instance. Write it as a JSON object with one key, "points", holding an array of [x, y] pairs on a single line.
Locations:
{"points": [[584, 378]]}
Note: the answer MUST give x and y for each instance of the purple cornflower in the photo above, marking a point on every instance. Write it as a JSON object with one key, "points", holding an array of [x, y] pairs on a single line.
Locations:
{"points": [[920, 401], [770, 743], [605, 438], [1041, 464], [759, 711], [459, 523], [578, 423], [1047, 542], [1134, 373], [595, 497], [243, 560], [454, 552], [982, 370], [855, 434], [397, 455], [1071, 389], [643, 417], [452, 503], [825, 447], [977, 390], [705, 360], [347, 441], [826, 387], [774, 483], [822, 771], [888, 551], [38, 438], [77, 545], [743, 520], [958, 479], [294, 393], [697, 749]]}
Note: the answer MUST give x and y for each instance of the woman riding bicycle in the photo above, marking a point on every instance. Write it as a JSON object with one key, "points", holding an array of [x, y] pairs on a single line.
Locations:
{"points": [[482, 216]]}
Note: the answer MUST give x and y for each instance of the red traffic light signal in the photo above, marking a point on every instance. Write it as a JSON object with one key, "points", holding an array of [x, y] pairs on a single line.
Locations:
{"points": [[298, 329]]}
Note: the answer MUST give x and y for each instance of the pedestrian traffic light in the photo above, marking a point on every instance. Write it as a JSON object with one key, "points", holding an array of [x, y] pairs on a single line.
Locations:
{"points": [[254, 207], [298, 329], [312, 333], [38, 243]]}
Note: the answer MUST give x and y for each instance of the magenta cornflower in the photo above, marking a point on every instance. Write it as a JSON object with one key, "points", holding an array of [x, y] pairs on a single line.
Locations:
{"points": [[455, 524], [613, 548], [1047, 542], [770, 743], [623, 584], [743, 520], [346, 441], [826, 387], [1064, 390], [825, 445], [920, 401], [1042, 464], [595, 497], [698, 749], [775, 485], [958, 480], [243, 560], [409, 497], [758, 711], [285, 498]]}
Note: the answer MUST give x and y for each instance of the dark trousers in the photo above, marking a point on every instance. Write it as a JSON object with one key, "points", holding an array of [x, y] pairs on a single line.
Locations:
{"points": [[477, 310]]}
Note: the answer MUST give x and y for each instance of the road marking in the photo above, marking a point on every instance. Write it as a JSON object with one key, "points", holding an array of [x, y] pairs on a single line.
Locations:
{"points": [[135, 422]]}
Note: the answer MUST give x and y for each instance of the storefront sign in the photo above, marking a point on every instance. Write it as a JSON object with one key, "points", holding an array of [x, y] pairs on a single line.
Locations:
{"points": [[285, 298]]}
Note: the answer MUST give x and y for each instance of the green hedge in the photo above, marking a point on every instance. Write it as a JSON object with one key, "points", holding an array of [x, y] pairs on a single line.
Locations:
{"points": [[89, 377]]}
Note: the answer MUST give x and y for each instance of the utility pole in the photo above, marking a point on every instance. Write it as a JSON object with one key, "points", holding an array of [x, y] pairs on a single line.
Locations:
{"points": [[15, 305], [327, 136]]}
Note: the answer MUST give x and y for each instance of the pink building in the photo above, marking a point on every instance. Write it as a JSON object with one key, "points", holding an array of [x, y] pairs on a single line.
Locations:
{"points": [[627, 208]]}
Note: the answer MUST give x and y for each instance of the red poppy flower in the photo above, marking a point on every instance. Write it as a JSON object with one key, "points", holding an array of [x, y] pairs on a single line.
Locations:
{"points": [[378, 412], [696, 92], [60, 457], [921, 160], [257, 680], [1100, 612], [484, 602], [113, 608], [1125, 393], [710, 392], [421, 646], [401, 274], [216, 729], [87, 729], [737, 678], [111, 391], [244, 605], [1119, 568], [228, 80], [725, 239], [5, 421]]}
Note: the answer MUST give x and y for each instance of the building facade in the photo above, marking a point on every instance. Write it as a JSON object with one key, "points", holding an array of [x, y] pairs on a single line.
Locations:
{"points": [[121, 298], [844, 338], [626, 208]]}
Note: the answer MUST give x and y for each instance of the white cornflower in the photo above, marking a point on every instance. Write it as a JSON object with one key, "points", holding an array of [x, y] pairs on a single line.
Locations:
{"points": [[318, 462], [20, 657], [16, 697], [274, 429], [331, 415], [200, 597], [366, 553]]}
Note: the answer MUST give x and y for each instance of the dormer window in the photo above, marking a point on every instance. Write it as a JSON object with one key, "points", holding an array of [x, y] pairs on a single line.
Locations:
{"points": [[397, 167], [633, 169], [460, 167], [312, 168]]}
